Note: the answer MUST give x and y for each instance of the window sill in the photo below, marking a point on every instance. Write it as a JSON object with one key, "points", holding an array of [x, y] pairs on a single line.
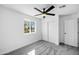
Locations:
{"points": [[29, 33]]}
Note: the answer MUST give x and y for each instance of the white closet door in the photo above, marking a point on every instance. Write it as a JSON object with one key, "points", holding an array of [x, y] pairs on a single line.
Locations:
{"points": [[53, 33], [45, 31], [69, 32]]}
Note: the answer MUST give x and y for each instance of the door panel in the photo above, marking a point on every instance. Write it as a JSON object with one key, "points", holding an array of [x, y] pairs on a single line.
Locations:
{"points": [[69, 32], [45, 31], [53, 32]]}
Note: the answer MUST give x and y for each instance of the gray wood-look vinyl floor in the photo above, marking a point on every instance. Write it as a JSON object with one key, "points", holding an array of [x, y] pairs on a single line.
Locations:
{"points": [[46, 48]]}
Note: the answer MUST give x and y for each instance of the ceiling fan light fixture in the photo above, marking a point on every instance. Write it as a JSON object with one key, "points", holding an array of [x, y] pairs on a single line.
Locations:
{"points": [[44, 14], [44, 17]]}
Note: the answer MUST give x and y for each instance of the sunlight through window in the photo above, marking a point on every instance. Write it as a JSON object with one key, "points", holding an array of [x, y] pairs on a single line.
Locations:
{"points": [[31, 52]]}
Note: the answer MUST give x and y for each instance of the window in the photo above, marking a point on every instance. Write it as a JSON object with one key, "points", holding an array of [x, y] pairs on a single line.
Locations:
{"points": [[31, 52], [29, 26]]}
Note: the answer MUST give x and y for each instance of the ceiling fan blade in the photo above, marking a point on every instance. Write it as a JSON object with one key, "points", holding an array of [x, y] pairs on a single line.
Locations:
{"points": [[50, 8], [38, 10], [37, 14], [50, 14]]}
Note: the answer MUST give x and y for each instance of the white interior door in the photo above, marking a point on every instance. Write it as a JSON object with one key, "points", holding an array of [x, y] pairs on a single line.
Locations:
{"points": [[45, 31], [69, 32], [53, 32]]}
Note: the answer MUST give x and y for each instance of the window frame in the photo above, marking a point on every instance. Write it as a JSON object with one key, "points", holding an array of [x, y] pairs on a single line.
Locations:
{"points": [[30, 26]]}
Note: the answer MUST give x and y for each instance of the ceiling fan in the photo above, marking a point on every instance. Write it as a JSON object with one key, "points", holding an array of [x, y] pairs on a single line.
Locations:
{"points": [[45, 12]]}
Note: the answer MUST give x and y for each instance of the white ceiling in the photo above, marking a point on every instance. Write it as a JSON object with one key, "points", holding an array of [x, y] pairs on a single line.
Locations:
{"points": [[29, 8]]}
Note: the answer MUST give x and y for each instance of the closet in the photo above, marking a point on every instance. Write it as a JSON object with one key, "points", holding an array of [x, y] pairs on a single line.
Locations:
{"points": [[50, 30]]}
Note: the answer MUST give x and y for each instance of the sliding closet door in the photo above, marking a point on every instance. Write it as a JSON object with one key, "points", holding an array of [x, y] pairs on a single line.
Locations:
{"points": [[45, 31], [53, 32]]}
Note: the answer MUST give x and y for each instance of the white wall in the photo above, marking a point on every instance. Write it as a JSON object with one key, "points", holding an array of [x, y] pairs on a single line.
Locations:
{"points": [[12, 30], [37, 35], [78, 32], [61, 29]]}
